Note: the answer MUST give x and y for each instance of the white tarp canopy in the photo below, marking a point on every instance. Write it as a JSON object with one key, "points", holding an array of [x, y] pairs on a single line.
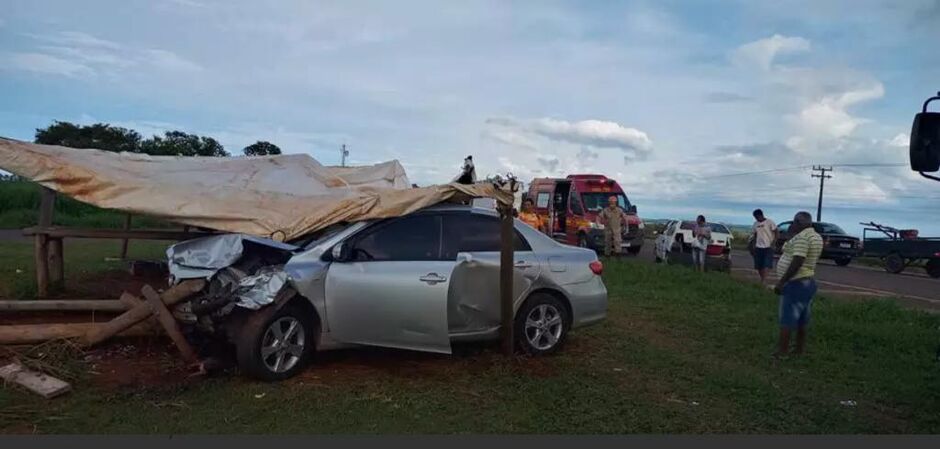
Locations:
{"points": [[282, 196]]}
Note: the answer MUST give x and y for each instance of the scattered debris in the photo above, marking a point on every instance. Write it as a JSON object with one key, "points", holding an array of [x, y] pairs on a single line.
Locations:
{"points": [[39, 383], [618, 369], [260, 396], [849, 403]]}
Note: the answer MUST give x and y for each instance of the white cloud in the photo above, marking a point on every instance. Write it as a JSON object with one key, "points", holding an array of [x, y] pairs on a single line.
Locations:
{"points": [[47, 64], [761, 53], [902, 140], [594, 133], [76, 39], [829, 118], [168, 60]]}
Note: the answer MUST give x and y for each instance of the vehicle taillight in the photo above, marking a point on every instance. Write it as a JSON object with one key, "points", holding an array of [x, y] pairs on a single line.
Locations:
{"points": [[597, 267]]}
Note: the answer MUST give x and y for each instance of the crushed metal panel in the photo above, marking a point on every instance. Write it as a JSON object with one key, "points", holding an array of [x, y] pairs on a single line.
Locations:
{"points": [[205, 256], [473, 296], [260, 289]]}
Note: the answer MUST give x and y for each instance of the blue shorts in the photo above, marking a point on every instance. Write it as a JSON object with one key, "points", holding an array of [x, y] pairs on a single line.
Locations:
{"points": [[795, 301], [763, 258]]}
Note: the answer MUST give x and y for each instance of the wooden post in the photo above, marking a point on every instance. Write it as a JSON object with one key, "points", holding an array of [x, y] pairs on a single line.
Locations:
{"points": [[56, 263], [507, 233], [169, 324], [127, 227], [46, 209]]}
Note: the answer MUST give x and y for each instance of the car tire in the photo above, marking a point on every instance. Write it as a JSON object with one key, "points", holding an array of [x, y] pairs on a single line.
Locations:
{"points": [[541, 325], [583, 241], [843, 261], [276, 344], [634, 250], [933, 268], [894, 263]]}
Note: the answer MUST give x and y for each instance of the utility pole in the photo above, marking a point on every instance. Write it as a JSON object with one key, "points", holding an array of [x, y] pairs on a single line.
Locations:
{"points": [[345, 153], [822, 182]]}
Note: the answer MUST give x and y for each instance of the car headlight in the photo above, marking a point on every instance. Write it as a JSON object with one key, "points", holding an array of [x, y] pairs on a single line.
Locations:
{"points": [[641, 225], [594, 225]]}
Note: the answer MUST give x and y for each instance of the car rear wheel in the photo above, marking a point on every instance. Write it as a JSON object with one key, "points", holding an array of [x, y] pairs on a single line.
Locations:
{"points": [[634, 250], [541, 324], [276, 344], [843, 261], [583, 241], [933, 268], [894, 263]]}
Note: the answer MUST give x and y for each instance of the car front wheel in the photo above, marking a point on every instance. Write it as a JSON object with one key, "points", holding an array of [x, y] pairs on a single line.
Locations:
{"points": [[276, 344], [843, 261], [541, 324]]}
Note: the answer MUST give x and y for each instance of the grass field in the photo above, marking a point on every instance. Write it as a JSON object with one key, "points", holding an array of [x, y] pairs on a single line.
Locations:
{"points": [[681, 352], [19, 201], [83, 258]]}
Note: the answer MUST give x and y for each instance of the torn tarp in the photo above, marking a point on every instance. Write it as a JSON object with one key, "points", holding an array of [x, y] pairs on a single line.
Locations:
{"points": [[204, 257], [283, 197]]}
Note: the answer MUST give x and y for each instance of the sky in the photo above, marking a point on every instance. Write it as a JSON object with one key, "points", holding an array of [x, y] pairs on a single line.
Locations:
{"points": [[680, 101]]}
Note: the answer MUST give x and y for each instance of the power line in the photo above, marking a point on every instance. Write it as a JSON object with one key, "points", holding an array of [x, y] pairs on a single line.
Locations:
{"points": [[759, 172]]}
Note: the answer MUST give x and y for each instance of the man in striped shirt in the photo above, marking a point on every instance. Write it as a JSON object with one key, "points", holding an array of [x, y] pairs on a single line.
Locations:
{"points": [[796, 287]]}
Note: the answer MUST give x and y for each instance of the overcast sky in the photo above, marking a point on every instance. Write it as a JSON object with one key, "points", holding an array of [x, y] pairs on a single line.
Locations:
{"points": [[668, 97]]}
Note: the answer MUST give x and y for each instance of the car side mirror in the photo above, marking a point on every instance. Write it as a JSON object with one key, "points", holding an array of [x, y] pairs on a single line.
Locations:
{"points": [[925, 140], [631, 209], [341, 252]]}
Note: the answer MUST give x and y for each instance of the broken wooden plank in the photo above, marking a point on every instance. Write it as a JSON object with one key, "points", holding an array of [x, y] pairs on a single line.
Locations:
{"points": [[175, 294], [130, 301], [39, 383], [22, 334], [48, 305], [169, 324]]}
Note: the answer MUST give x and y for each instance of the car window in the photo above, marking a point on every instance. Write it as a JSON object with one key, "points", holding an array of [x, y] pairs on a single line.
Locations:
{"points": [[783, 227], [474, 233], [541, 200], [687, 225], [576, 207], [596, 201], [828, 228], [718, 227], [416, 237]]}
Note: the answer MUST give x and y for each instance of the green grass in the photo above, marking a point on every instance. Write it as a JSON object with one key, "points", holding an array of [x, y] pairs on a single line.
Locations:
{"points": [[680, 352], [19, 201], [84, 258]]}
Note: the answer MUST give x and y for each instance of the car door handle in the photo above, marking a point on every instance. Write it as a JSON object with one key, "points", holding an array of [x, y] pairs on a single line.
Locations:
{"points": [[523, 264], [432, 278]]}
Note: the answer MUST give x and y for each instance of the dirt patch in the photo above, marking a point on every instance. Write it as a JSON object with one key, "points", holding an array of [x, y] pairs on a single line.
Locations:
{"points": [[139, 363], [110, 284]]}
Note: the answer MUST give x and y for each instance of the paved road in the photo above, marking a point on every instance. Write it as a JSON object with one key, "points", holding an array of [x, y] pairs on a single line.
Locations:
{"points": [[913, 288]]}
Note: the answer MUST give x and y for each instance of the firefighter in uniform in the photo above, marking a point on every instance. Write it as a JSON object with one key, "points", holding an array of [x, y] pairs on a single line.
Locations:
{"points": [[529, 216], [614, 220]]}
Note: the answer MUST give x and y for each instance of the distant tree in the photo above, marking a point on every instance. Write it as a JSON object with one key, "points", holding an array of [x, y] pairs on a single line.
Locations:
{"points": [[261, 148], [178, 143], [100, 135]]}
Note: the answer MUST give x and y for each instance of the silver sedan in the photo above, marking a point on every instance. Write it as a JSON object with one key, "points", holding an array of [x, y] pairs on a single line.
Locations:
{"points": [[417, 282]]}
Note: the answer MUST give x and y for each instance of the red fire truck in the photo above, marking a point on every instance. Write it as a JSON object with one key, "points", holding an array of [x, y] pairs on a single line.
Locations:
{"points": [[571, 206]]}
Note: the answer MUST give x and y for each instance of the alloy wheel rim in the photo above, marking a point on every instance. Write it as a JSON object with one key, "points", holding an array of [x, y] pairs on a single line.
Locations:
{"points": [[543, 326], [283, 344]]}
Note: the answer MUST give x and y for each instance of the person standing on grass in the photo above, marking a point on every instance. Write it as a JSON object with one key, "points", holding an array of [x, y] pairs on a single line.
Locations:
{"points": [[701, 237], [613, 218], [763, 238], [797, 286]]}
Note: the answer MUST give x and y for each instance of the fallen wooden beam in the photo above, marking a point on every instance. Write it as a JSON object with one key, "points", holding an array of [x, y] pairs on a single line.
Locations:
{"points": [[169, 324], [39, 383], [56, 232], [23, 334], [48, 305], [130, 301], [175, 294]]}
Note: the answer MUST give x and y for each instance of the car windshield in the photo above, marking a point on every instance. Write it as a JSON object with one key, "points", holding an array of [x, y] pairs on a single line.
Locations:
{"points": [[715, 227], [309, 240], [595, 201], [828, 228]]}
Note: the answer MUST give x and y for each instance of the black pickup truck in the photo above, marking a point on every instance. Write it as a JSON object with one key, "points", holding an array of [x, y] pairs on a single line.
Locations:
{"points": [[838, 246]]}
